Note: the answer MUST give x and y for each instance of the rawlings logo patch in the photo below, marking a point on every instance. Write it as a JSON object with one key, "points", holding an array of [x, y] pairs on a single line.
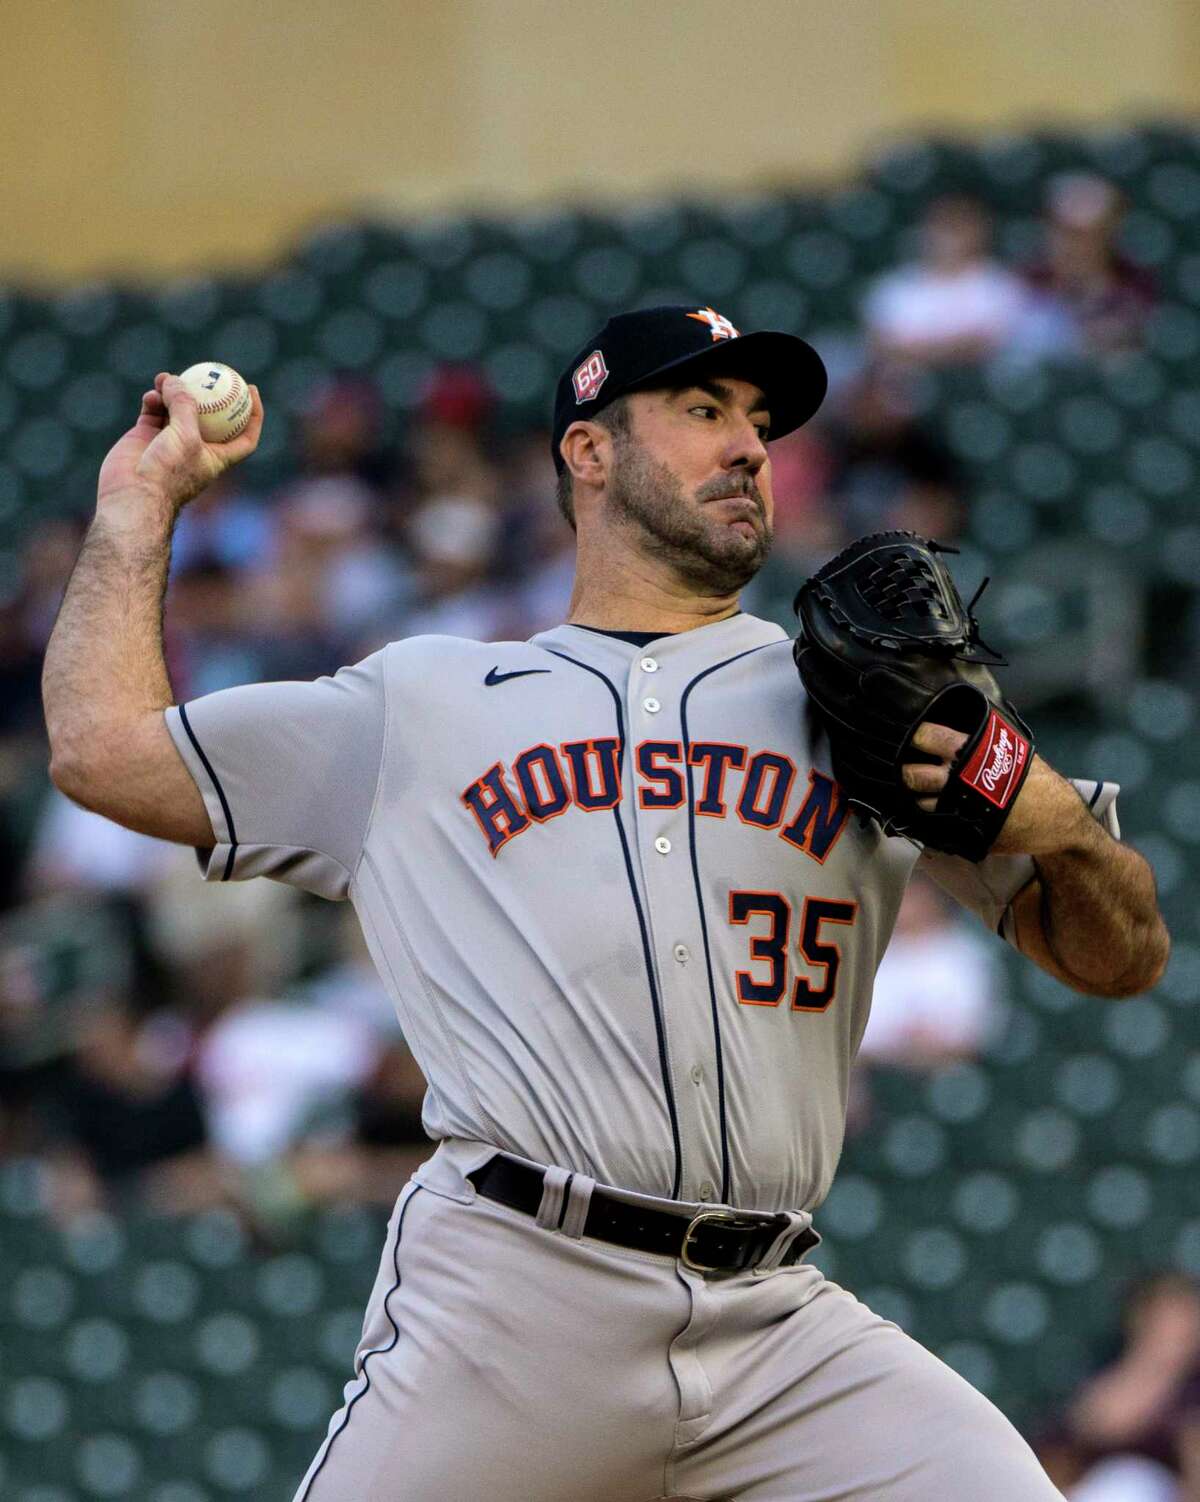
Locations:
{"points": [[717, 322], [997, 762], [589, 377]]}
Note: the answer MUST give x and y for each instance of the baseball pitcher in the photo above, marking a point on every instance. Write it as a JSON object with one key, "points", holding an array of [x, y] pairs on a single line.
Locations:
{"points": [[628, 884]]}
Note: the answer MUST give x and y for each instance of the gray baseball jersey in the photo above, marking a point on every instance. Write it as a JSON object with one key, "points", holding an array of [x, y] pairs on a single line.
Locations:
{"points": [[629, 922]]}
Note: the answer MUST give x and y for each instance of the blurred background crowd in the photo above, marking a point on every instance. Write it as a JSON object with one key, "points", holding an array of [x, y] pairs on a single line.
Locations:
{"points": [[206, 1104]]}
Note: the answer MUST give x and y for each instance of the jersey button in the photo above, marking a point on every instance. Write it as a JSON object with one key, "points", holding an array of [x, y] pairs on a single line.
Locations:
{"points": [[682, 953], [662, 845], [651, 706], [697, 1073], [648, 665], [706, 1190]]}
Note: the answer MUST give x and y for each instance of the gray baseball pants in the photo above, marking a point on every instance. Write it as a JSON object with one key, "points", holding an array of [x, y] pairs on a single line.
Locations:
{"points": [[507, 1362]]}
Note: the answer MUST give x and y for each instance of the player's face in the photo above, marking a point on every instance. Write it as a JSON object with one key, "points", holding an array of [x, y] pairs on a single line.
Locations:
{"points": [[693, 478]]}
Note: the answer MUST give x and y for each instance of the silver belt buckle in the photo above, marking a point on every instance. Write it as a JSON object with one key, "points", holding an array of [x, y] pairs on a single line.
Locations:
{"points": [[685, 1255]]}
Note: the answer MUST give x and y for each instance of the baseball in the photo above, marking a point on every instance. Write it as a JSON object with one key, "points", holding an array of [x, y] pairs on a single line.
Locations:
{"points": [[223, 399]]}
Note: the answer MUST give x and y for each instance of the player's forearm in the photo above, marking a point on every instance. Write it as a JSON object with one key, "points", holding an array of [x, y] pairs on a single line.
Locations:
{"points": [[1099, 914], [104, 663]]}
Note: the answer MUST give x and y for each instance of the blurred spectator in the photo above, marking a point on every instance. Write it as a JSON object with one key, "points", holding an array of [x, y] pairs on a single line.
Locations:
{"points": [[22, 742], [211, 637], [936, 990], [803, 465], [887, 467], [455, 541], [1140, 1415], [275, 1068], [536, 547], [453, 446], [337, 574], [315, 1095], [954, 303], [124, 1116], [1085, 297], [50, 554], [225, 525], [225, 941], [75, 849], [341, 433], [1127, 1478], [269, 1068]]}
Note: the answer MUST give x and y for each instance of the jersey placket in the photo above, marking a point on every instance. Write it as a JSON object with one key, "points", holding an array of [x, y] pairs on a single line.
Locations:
{"points": [[658, 801]]}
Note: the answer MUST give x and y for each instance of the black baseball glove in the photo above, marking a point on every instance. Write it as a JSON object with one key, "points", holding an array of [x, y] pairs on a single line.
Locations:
{"points": [[886, 642]]}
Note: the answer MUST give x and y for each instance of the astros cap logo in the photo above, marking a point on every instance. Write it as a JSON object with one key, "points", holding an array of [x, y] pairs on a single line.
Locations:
{"points": [[590, 376], [720, 325]]}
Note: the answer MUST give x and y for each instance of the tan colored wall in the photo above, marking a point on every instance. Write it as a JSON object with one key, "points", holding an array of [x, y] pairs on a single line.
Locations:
{"points": [[141, 137]]}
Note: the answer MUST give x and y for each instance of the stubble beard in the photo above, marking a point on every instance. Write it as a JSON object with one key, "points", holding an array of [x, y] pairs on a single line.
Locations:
{"points": [[645, 495]]}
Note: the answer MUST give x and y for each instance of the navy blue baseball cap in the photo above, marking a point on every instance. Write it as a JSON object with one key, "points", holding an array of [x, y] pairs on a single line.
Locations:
{"points": [[663, 346]]}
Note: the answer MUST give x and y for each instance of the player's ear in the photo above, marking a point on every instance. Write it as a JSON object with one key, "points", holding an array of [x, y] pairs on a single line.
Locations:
{"points": [[587, 452]]}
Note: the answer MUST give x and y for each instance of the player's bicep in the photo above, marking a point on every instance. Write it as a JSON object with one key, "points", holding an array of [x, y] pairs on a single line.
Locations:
{"points": [[143, 783]]}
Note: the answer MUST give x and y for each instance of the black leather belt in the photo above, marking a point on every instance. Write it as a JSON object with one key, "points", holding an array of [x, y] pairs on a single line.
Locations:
{"points": [[711, 1241]]}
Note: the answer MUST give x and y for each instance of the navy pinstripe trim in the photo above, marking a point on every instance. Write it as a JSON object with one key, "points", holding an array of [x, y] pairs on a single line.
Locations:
{"points": [[1096, 795], [375, 1351], [216, 782], [562, 1214], [659, 1025], [712, 989]]}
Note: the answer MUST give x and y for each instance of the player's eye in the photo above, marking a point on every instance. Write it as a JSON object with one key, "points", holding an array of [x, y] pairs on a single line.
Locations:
{"points": [[763, 430], [706, 409]]}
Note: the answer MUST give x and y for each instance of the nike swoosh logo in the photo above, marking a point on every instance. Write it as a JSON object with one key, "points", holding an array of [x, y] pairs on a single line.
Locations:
{"points": [[496, 676]]}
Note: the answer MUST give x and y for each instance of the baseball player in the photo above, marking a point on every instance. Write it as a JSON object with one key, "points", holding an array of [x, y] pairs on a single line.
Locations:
{"points": [[630, 923]]}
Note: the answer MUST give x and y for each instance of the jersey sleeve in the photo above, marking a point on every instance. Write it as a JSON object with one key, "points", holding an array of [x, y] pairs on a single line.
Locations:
{"points": [[288, 773], [987, 887]]}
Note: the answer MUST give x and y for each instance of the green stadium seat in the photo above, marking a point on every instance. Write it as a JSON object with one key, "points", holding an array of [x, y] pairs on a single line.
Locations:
{"points": [[518, 372], [1087, 1085], [165, 1403], [42, 448], [225, 1343], [351, 338], [334, 250], [37, 1409], [499, 281], [933, 1259], [301, 1399], [292, 296], [238, 1460], [1016, 1313], [853, 1210], [38, 360], [889, 1302], [970, 1359], [337, 1335], [1119, 1197], [108, 1464], [1147, 239], [1068, 1253], [560, 322], [652, 228], [215, 1239], [958, 1094], [187, 304], [96, 1350], [85, 311], [41, 1297], [545, 237], [1047, 1141]]}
